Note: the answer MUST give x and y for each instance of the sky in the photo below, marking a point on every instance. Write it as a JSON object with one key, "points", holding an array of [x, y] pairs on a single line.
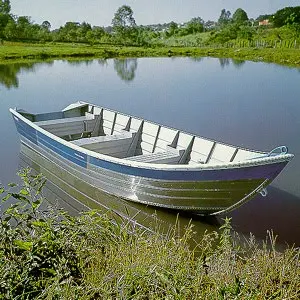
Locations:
{"points": [[145, 12]]}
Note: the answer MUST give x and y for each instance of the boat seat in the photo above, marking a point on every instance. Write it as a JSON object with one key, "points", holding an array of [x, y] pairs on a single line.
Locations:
{"points": [[116, 145], [69, 126], [171, 156]]}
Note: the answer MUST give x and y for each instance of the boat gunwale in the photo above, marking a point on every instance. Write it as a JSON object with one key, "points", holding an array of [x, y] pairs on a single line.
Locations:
{"points": [[152, 166]]}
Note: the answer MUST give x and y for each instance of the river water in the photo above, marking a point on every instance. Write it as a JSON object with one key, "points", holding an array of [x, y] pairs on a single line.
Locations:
{"points": [[255, 105]]}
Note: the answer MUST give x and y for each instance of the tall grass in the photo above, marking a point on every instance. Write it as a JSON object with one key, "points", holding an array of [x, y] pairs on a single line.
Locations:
{"points": [[51, 255]]}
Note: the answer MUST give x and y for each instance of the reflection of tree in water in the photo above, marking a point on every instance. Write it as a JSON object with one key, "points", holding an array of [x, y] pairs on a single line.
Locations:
{"points": [[196, 59], [75, 62], [224, 62], [238, 63], [102, 62], [125, 68], [9, 73]]}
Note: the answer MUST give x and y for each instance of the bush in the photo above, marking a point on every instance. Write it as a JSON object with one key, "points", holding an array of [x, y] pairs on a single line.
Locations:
{"points": [[51, 255]]}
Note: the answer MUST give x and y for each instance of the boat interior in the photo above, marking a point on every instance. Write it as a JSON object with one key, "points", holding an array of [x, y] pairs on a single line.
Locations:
{"points": [[119, 135]]}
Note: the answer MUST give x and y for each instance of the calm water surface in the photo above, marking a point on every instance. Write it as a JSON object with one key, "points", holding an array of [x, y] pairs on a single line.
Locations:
{"points": [[255, 105]]}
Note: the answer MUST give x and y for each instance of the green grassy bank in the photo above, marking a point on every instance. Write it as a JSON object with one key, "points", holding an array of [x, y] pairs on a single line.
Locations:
{"points": [[16, 52], [55, 256]]}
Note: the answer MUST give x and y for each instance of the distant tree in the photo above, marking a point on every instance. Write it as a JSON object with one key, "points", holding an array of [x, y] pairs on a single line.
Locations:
{"points": [[4, 15], [195, 25], [23, 21], [5, 7], [123, 20], [46, 25], [208, 25], [227, 33], [68, 32], [10, 32], [23, 27], [293, 23], [95, 35], [240, 16], [246, 32], [224, 18], [85, 27], [286, 15], [4, 19], [173, 27], [124, 27]]}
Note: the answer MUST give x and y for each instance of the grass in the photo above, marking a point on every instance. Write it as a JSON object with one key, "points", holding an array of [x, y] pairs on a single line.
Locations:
{"points": [[56, 256], [20, 52]]}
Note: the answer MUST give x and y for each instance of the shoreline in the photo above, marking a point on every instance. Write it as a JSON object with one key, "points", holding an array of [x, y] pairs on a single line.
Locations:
{"points": [[40, 52]]}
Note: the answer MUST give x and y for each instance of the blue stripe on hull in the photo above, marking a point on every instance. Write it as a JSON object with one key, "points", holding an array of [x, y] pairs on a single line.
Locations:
{"points": [[72, 155], [26, 130], [258, 172]]}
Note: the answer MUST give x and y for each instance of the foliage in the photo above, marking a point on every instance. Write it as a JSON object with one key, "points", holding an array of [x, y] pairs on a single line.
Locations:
{"points": [[286, 15], [195, 25], [124, 25], [246, 32], [224, 18], [35, 249], [51, 255], [264, 17], [240, 16], [5, 7], [227, 33], [124, 30], [4, 20]]}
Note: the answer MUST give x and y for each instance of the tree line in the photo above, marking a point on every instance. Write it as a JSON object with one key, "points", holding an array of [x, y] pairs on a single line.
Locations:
{"points": [[125, 31]]}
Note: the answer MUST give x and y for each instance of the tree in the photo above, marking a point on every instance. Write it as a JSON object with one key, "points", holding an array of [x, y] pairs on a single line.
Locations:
{"points": [[286, 16], [4, 19], [172, 28], [5, 7], [208, 25], [246, 32], [4, 15], [224, 17], [46, 25], [195, 25], [123, 20], [240, 16], [10, 31]]}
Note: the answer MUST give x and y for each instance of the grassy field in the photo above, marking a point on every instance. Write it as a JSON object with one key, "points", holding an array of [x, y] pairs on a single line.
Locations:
{"points": [[55, 256], [16, 52]]}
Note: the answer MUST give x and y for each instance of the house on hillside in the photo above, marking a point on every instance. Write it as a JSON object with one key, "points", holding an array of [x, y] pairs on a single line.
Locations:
{"points": [[265, 22]]}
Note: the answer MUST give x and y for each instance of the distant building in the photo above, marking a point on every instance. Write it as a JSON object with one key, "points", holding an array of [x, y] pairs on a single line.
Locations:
{"points": [[264, 22]]}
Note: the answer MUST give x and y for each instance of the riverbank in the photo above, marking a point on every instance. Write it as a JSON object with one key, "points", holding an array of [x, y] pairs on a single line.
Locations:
{"points": [[16, 52], [53, 255]]}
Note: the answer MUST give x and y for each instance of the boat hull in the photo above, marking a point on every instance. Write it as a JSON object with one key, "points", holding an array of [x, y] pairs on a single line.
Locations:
{"points": [[202, 191]]}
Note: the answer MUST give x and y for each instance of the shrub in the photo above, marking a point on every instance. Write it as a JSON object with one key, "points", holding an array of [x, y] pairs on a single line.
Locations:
{"points": [[47, 254]]}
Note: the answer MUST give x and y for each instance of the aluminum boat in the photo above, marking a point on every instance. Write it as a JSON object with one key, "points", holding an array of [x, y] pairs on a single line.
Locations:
{"points": [[149, 163]]}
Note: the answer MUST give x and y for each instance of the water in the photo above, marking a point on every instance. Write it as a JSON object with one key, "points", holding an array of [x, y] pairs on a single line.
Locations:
{"points": [[255, 105]]}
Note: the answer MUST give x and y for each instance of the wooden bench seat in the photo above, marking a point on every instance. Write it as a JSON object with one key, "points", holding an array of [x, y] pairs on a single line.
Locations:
{"points": [[114, 145]]}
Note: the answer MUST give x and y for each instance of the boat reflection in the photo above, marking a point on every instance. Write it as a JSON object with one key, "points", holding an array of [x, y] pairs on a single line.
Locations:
{"points": [[66, 191]]}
